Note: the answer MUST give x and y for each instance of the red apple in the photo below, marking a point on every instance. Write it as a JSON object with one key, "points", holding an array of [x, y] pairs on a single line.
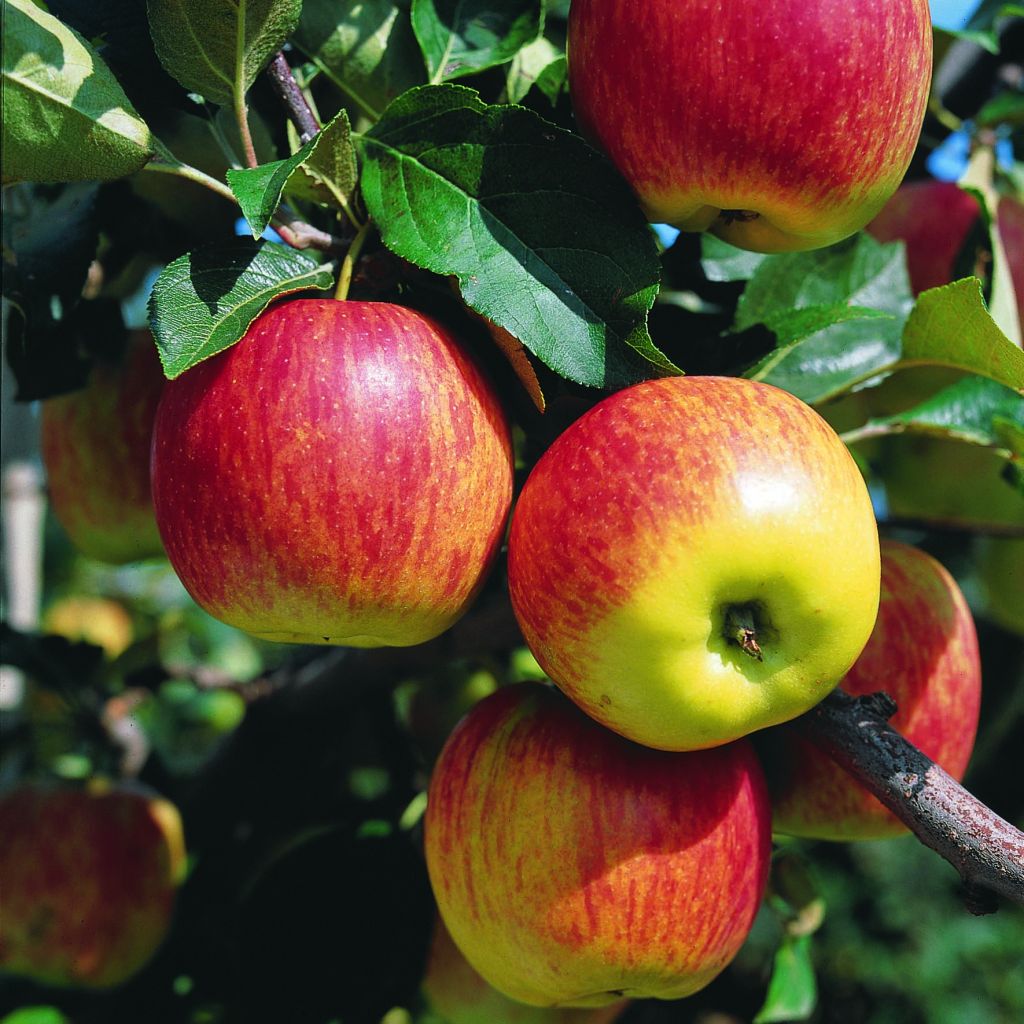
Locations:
{"points": [[933, 219], [695, 558], [575, 868], [458, 995], [89, 878], [924, 654], [778, 125], [95, 446], [341, 475]]}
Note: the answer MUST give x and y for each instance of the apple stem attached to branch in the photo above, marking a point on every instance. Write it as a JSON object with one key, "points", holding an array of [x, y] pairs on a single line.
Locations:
{"points": [[986, 850], [348, 265]]}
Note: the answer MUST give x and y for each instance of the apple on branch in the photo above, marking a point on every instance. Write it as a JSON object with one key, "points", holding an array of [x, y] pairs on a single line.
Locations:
{"points": [[95, 446], [341, 475], [695, 558], [778, 125], [576, 868], [923, 652], [89, 879]]}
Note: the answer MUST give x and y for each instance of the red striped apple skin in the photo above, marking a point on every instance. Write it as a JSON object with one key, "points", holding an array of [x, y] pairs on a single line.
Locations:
{"points": [[89, 879], [923, 652], [341, 475], [95, 446], [666, 505], [803, 112], [575, 868]]}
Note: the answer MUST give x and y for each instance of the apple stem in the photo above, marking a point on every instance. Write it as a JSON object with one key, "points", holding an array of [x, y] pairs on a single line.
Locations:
{"points": [[741, 629], [349, 263]]}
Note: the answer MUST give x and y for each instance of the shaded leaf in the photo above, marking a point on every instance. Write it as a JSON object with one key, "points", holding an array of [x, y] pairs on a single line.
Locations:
{"points": [[724, 262], [462, 37], [792, 991], [331, 167], [65, 117], [210, 45], [543, 236], [204, 301], [540, 63]]}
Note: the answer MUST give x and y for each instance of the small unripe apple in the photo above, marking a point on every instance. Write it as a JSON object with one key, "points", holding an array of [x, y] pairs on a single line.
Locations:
{"points": [[573, 867], [96, 620], [95, 446], [341, 475], [695, 558], [89, 879], [778, 125], [923, 652]]}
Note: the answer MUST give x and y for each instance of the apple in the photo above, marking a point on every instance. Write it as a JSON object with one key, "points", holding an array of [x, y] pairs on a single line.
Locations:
{"points": [[778, 126], [458, 995], [89, 881], [695, 558], [95, 446], [341, 475], [573, 867], [923, 652], [934, 219]]}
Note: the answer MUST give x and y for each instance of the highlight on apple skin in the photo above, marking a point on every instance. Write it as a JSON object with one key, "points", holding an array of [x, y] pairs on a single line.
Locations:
{"points": [[694, 559], [89, 877], [923, 652], [575, 868], [95, 446], [457, 994], [341, 475], [778, 125]]}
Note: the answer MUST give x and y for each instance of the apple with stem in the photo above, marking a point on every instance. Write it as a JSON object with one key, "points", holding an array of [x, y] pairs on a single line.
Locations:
{"points": [[923, 652], [95, 446], [341, 475], [695, 558], [779, 125], [89, 879], [573, 867]]}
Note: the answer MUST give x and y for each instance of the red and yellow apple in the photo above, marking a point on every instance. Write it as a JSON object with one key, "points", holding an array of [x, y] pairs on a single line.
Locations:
{"points": [[89, 879], [923, 652], [694, 559], [341, 475], [573, 867], [777, 124], [95, 446], [457, 994]]}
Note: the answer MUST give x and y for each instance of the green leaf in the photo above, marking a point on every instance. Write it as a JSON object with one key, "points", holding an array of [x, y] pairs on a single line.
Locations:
{"points": [[724, 262], [983, 28], [540, 63], [792, 991], [35, 1015], [367, 49], [331, 167], [950, 326], [210, 46], [462, 37], [258, 189], [543, 236], [1006, 108], [65, 117], [204, 301]]}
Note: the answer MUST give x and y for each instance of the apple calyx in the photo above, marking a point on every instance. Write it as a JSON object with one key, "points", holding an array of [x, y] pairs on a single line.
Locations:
{"points": [[738, 216], [742, 625]]}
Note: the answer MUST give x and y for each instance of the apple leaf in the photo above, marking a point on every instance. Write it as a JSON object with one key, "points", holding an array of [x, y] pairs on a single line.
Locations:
{"points": [[724, 262], [65, 117], [983, 27], [258, 189], [331, 168], [368, 49], [792, 991], [542, 235], [541, 64], [36, 1015], [204, 301], [462, 37], [210, 46]]}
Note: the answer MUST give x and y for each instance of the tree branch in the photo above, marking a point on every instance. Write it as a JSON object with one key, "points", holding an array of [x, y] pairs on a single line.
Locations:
{"points": [[283, 81], [986, 850]]}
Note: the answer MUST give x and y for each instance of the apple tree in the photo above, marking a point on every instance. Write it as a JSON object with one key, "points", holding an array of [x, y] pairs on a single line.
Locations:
{"points": [[582, 374]]}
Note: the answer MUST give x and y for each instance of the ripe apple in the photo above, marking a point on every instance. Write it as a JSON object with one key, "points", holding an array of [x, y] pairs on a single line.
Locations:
{"points": [[933, 219], [576, 868], [457, 994], [779, 126], [89, 881], [95, 446], [695, 558], [923, 652], [341, 475]]}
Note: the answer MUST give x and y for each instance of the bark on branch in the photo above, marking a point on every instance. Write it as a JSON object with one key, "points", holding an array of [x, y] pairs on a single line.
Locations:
{"points": [[986, 850]]}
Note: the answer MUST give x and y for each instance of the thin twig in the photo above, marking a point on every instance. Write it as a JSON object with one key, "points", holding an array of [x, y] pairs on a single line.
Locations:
{"points": [[281, 78]]}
